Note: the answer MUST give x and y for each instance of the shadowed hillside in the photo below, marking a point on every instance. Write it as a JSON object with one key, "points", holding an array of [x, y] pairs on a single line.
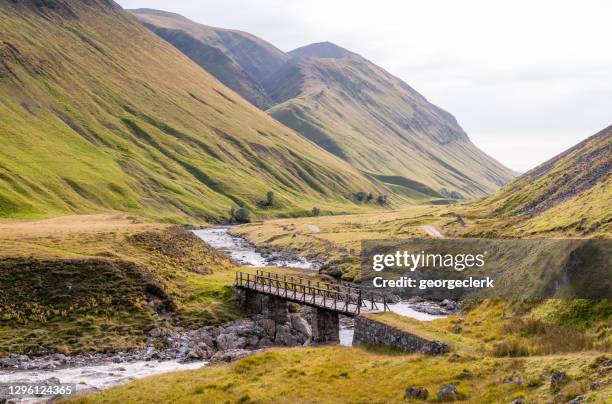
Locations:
{"points": [[239, 60], [98, 113]]}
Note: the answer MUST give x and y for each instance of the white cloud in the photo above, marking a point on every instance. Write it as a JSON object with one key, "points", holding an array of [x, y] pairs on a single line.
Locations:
{"points": [[525, 75]]}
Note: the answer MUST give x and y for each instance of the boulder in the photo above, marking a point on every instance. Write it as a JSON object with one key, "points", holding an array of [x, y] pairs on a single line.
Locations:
{"points": [[155, 333], [300, 324], [230, 341], [269, 326], [264, 342], [558, 378], [418, 393], [230, 355], [447, 392], [284, 336], [450, 305]]}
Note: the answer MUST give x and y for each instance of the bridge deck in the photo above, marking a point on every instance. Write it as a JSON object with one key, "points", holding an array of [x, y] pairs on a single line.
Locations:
{"points": [[342, 299]]}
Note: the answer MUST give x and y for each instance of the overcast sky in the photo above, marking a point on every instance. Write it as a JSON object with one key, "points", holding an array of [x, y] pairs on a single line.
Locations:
{"points": [[525, 79]]}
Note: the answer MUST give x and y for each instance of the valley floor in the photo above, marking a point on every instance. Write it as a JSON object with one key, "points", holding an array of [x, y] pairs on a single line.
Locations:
{"points": [[499, 351], [335, 374]]}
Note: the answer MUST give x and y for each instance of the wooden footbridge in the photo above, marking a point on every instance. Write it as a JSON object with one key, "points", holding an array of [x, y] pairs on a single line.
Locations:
{"points": [[333, 297]]}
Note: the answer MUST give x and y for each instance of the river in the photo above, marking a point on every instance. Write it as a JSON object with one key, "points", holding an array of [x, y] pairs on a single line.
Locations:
{"points": [[104, 375], [244, 253]]}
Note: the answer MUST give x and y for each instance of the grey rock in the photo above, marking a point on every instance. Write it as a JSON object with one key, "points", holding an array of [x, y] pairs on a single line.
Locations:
{"points": [[155, 333], [447, 392], [230, 355], [449, 305], [577, 399], [230, 341], [264, 342], [558, 378], [301, 325], [269, 326], [284, 336], [418, 393]]}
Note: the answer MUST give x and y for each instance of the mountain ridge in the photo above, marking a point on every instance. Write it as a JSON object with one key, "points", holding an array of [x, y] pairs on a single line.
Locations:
{"points": [[363, 115]]}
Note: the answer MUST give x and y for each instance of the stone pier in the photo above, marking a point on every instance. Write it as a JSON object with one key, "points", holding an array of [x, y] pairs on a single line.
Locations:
{"points": [[324, 323], [325, 326]]}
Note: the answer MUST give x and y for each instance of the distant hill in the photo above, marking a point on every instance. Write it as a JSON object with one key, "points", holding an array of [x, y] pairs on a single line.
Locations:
{"points": [[347, 105], [97, 113]]}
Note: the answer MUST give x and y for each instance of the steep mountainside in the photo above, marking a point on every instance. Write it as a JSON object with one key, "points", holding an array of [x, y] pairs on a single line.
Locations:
{"points": [[347, 105], [571, 193], [379, 124], [98, 113], [239, 60]]}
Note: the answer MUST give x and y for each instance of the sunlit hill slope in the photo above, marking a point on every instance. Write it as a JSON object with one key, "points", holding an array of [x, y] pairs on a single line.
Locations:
{"points": [[98, 113]]}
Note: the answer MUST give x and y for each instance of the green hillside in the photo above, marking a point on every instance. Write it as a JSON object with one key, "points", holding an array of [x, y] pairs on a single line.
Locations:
{"points": [[238, 59], [379, 124], [568, 195], [98, 113], [345, 104]]}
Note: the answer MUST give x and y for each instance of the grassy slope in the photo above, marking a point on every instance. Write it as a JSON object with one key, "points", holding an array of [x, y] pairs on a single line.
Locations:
{"points": [[379, 124], [346, 105], [358, 375], [100, 114], [568, 195], [82, 283], [238, 59]]}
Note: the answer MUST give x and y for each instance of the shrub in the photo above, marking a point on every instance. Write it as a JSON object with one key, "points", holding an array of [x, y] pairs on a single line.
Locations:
{"points": [[270, 198], [240, 215], [361, 196], [316, 211], [382, 199]]}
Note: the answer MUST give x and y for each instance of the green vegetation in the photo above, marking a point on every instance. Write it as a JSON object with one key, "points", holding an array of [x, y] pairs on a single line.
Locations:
{"points": [[363, 375], [270, 198], [80, 284], [240, 215], [347, 105], [100, 114]]}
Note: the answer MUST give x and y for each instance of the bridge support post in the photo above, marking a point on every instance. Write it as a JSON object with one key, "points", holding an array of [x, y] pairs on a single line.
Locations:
{"points": [[275, 308], [325, 326], [251, 301]]}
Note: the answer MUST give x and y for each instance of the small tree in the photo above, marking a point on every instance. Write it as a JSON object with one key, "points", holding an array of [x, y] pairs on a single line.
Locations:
{"points": [[361, 196], [369, 197], [316, 211], [242, 215], [382, 199], [270, 198]]}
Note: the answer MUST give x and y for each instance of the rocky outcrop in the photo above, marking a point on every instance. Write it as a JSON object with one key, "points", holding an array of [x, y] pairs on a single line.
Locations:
{"points": [[368, 331], [226, 342]]}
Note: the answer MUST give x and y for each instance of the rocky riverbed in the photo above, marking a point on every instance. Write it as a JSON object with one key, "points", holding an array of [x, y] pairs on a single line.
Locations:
{"points": [[225, 342], [244, 253]]}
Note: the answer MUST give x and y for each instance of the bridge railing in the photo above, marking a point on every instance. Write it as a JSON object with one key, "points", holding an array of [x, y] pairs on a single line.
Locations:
{"points": [[313, 292]]}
